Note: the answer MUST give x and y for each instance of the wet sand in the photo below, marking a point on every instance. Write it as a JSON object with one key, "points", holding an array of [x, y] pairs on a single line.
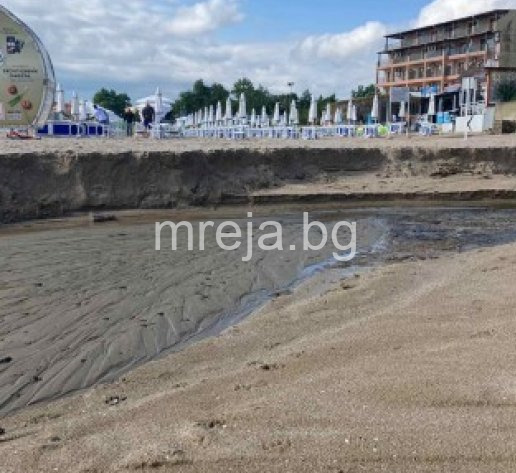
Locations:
{"points": [[406, 368], [81, 305]]}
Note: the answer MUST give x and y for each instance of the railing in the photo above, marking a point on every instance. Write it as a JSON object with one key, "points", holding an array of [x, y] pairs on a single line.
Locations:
{"points": [[385, 62], [458, 33]]}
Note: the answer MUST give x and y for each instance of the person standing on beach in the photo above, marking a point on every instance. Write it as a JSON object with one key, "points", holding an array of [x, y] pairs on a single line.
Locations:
{"points": [[129, 118], [148, 115], [101, 115]]}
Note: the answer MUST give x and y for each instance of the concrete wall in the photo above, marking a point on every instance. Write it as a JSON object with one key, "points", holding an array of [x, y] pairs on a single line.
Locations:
{"points": [[505, 111]]}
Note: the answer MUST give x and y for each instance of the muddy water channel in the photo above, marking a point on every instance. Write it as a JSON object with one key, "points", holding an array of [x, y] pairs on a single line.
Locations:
{"points": [[81, 304]]}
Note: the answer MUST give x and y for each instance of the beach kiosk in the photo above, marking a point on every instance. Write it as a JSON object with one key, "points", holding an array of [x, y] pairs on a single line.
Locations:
{"points": [[27, 81]]}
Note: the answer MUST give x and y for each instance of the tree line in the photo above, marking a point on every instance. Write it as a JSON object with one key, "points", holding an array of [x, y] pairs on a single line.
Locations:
{"points": [[202, 95]]}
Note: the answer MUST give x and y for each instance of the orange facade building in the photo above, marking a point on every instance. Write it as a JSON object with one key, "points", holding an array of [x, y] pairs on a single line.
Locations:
{"points": [[437, 57]]}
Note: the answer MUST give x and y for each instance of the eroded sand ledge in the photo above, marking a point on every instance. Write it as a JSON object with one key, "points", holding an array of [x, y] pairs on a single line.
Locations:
{"points": [[51, 178]]}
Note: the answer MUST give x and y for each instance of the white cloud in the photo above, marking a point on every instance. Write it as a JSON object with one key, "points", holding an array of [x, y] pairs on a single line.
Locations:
{"points": [[344, 45], [204, 17], [444, 10], [135, 45]]}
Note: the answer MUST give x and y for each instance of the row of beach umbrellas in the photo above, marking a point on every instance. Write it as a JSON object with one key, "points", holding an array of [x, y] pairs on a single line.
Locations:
{"points": [[213, 115]]}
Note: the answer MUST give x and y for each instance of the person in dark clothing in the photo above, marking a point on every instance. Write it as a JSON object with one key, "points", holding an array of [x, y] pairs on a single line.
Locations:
{"points": [[130, 118], [148, 115]]}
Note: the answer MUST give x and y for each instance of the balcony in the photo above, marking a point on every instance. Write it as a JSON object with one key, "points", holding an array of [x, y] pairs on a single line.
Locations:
{"points": [[437, 55], [462, 32]]}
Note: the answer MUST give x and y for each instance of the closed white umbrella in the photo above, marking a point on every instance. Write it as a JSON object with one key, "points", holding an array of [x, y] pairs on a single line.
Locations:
{"points": [[431, 105], [60, 105], [338, 116], [211, 115], [350, 110], [199, 117], [284, 118], [403, 112], [276, 117], [75, 106], [82, 111], [294, 115], [264, 118], [218, 115], [229, 111], [206, 115], [158, 106], [355, 114], [328, 116], [375, 111], [242, 109], [312, 113], [253, 118]]}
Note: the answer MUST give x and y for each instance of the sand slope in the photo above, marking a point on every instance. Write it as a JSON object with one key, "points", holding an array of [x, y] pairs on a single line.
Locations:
{"points": [[408, 368]]}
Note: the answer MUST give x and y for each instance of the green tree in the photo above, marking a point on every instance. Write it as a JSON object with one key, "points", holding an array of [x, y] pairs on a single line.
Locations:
{"points": [[111, 100], [505, 90], [364, 92]]}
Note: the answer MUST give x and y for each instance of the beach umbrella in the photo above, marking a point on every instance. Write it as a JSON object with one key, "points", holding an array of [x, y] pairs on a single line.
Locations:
{"points": [[158, 105], [284, 118], [312, 113], [229, 111], [276, 117], [199, 117], [354, 113], [338, 116], [206, 115], [375, 111], [431, 105], [403, 112], [211, 115], [264, 118], [60, 105], [242, 109], [294, 115], [75, 105], [82, 111], [253, 118], [328, 112], [350, 110], [218, 115]]}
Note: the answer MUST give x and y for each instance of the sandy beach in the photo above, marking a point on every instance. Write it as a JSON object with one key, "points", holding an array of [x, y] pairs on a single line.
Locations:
{"points": [[385, 372], [378, 366], [144, 145]]}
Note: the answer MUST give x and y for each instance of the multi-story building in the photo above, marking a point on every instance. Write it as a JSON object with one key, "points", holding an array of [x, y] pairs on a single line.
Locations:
{"points": [[437, 57]]}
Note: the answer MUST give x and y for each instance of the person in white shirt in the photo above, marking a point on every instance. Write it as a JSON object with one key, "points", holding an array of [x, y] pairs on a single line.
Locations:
{"points": [[101, 115]]}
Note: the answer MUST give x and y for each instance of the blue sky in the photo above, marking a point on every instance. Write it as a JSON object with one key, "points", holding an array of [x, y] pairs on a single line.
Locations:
{"points": [[134, 46]]}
